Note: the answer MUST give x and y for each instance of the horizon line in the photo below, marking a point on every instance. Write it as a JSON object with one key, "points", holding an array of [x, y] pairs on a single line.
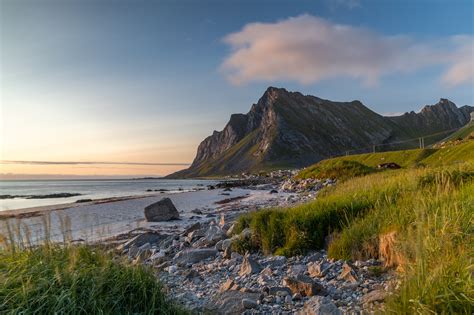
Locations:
{"points": [[89, 163]]}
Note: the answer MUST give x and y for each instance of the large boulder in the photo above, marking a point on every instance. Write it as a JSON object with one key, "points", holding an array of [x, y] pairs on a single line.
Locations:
{"points": [[163, 210], [192, 256], [319, 305]]}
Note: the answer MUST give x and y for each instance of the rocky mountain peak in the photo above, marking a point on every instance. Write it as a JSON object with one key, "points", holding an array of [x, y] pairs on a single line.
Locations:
{"points": [[289, 129]]}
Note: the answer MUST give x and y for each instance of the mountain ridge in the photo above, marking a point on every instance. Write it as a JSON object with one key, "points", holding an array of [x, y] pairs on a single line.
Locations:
{"points": [[289, 129]]}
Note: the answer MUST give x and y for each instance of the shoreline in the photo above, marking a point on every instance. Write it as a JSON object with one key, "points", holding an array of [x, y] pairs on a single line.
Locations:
{"points": [[41, 210]]}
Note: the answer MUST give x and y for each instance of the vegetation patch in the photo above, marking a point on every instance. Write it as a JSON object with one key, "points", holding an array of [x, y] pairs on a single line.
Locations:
{"points": [[336, 169], [52, 279]]}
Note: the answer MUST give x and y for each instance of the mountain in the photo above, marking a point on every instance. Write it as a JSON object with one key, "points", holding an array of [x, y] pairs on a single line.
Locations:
{"points": [[288, 129]]}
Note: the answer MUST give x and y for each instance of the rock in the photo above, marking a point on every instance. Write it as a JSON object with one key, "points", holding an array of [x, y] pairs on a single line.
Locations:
{"points": [[249, 266], [296, 297], [227, 253], [320, 305], [227, 189], [230, 230], [288, 299], [317, 269], [194, 227], [214, 234], [347, 274], [236, 256], [163, 210], [275, 261], [249, 304], [230, 302], [374, 296], [190, 274], [196, 211], [276, 290], [273, 191], [222, 245], [191, 256], [303, 285], [158, 257], [142, 239], [172, 269], [226, 286], [297, 269]]}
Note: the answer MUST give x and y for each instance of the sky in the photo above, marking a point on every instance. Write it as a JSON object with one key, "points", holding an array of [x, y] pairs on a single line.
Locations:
{"points": [[132, 87]]}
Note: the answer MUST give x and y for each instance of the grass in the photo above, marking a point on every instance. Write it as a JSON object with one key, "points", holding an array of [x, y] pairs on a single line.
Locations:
{"points": [[336, 169], [417, 219], [76, 279]]}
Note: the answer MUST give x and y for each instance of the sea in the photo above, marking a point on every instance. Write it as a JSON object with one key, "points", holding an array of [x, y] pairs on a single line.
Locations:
{"points": [[89, 189]]}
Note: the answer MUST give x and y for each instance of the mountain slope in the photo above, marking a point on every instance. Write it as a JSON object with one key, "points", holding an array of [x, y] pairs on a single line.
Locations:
{"points": [[289, 129]]}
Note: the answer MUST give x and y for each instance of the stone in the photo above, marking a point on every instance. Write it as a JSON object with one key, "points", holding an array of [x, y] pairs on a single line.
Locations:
{"points": [[275, 290], [317, 269], [191, 274], [194, 227], [172, 269], [320, 305], [230, 302], [226, 286], [275, 261], [249, 266], [273, 191], [297, 269], [227, 253], [249, 304], [163, 210], [374, 296], [288, 299], [191, 256], [214, 234], [347, 274], [142, 239], [303, 285]]}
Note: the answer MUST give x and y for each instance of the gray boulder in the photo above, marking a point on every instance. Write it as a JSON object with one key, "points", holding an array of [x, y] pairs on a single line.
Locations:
{"points": [[320, 305], [163, 210]]}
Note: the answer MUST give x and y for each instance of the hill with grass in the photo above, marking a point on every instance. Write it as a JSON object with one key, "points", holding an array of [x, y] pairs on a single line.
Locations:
{"points": [[291, 130], [417, 220]]}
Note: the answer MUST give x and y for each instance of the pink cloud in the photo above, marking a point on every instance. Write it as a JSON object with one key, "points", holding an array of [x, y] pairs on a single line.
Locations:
{"points": [[308, 49]]}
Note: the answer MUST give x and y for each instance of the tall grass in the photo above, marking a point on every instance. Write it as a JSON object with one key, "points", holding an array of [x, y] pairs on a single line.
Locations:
{"points": [[428, 215], [73, 279]]}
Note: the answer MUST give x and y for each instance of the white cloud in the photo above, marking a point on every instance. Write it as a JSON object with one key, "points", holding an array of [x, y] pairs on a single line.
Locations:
{"points": [[308, 49]]}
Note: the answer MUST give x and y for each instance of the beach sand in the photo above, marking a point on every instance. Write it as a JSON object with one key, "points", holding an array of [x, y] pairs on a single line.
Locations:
{"points": [[105, 218]]}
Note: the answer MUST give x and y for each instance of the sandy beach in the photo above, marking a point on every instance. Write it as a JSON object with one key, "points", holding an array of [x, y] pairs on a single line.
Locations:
{"points": [[105, 218]]}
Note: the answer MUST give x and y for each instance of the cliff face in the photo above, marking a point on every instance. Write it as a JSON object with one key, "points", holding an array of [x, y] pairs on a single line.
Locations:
{"points": [[289, 129]]}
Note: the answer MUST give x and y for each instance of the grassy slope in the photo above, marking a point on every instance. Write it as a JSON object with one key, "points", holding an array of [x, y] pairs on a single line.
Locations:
{"points": [[427, 212], [77, 280], [462, 133]]}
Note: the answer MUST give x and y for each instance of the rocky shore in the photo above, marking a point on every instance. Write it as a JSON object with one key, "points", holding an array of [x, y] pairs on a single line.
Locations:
{"points": [[201, 270]]}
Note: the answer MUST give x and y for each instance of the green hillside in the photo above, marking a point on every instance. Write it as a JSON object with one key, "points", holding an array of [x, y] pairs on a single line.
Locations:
{"points": [[462, 133], [417, 220], [458, 153]]}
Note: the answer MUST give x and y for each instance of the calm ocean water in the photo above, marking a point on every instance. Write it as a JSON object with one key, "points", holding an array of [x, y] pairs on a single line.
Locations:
{"points": [[90, 189]]}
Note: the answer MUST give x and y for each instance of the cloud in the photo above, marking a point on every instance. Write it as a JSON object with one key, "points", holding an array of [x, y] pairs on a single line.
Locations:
{"points": [[88, 163], [308, 49]]}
